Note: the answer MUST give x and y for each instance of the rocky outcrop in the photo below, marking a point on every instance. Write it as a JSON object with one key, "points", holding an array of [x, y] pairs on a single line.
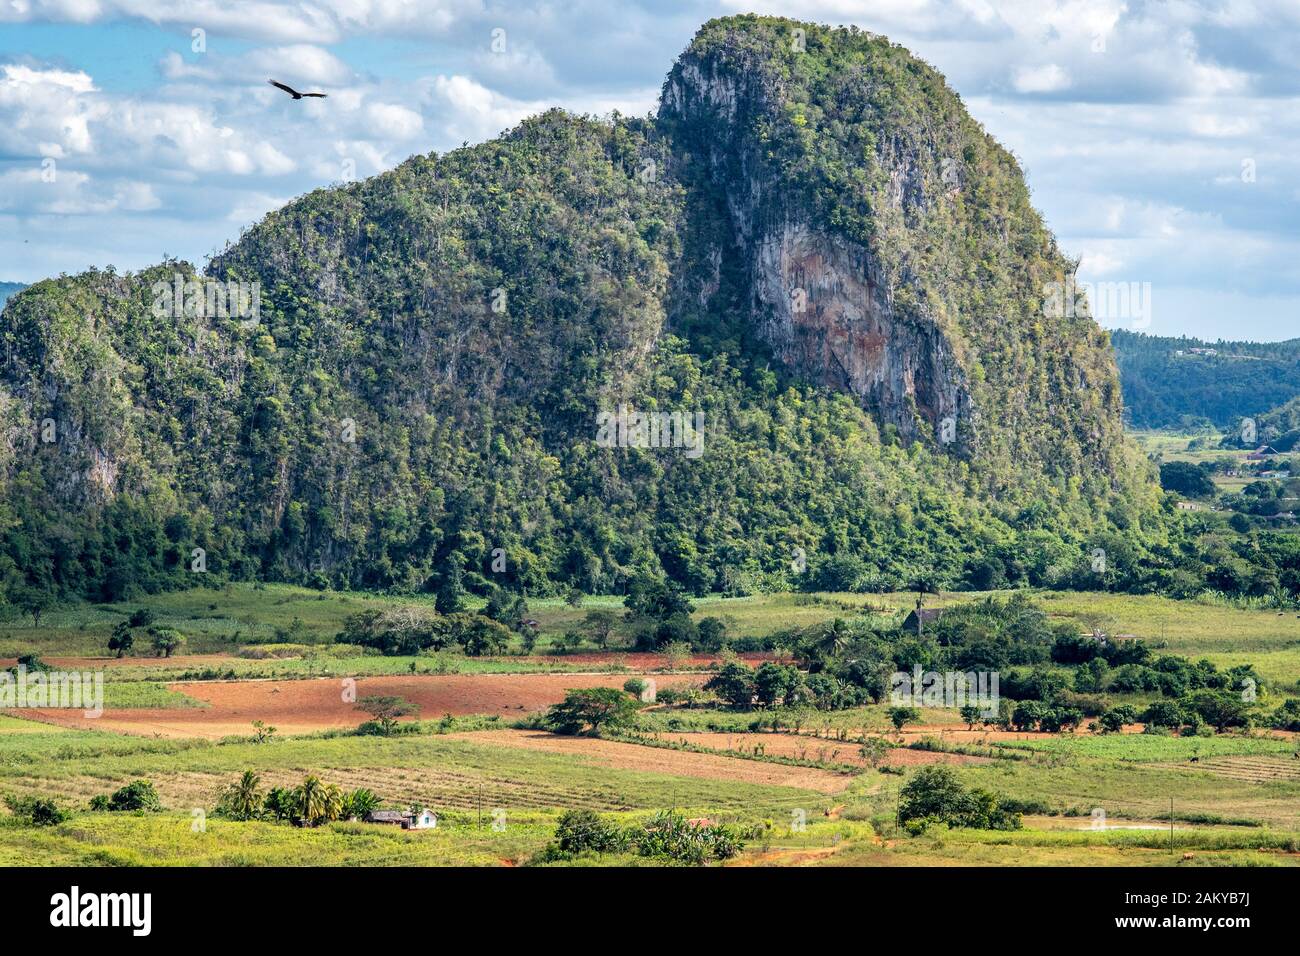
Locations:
{"points": [[828, 312], [823, 304]]}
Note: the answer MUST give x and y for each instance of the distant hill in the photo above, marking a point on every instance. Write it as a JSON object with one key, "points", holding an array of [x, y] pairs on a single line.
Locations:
{"points": [[7, 289], [1167, 383]]}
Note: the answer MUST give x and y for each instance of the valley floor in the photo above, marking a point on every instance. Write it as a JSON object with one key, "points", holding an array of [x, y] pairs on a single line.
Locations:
{"points": [[814, 795]]}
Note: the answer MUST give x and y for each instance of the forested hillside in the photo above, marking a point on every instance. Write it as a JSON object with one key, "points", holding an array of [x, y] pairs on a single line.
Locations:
{"points": [[1167, 385], [813, 246]]}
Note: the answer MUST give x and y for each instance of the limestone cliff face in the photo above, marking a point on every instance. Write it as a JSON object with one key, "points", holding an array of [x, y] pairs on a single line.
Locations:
{"points": [[828, 312], [886, 245], [825, 305]]}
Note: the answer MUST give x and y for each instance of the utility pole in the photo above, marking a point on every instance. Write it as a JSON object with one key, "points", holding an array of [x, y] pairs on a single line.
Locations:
{"points": [[1171, 824]]}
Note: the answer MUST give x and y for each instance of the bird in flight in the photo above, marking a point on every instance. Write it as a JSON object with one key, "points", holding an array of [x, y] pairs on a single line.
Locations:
{"points": [[294, 93]]}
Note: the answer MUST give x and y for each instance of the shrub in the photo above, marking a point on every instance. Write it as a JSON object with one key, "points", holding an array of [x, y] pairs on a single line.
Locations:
{"points": [[141, 617], [734, 683], [1287, 715], [937, 794], [585, 831], [669, 834], [407, 629], [357, 803], [36, 811], [568, 642], [385, 711], [591, 709], [136, 795], [712, 635], [1113, 721], [241, 800], [280, 803], [166, 640], [1164, 713], [901, 716], [1219, 709]]}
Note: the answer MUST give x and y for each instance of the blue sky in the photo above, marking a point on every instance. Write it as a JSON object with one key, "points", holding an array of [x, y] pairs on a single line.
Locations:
{"points": [[1161, 139]]}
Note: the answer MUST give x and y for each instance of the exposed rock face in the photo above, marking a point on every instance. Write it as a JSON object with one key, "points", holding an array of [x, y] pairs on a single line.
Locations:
{"points": [[827, 313], [824, 305]]}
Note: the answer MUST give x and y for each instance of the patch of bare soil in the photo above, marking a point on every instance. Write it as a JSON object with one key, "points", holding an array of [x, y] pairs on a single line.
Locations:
{"points": [[306, 706]]}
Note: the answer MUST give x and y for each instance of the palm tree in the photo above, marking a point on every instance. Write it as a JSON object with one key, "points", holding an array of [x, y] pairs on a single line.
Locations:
{"points": [[243, 800], [835, 637], [310, 799], [923, 584], [333, 803]]}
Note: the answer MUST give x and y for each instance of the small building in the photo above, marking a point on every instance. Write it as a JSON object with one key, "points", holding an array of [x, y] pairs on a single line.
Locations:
{"points": [[1190, 506], [423, 819], [1261, 453], [917, 621]]}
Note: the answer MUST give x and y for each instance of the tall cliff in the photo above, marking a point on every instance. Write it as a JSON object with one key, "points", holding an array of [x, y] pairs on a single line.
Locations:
{"points": [[813, 247], [888, 244]]}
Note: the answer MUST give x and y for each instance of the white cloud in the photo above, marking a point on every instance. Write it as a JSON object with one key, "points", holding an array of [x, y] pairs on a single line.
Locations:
{"points": [[281, 21], [19, 75], [253, 206], [469, 111], [1219, 126], [301, 62], [1041, 79], [388, 121], [48, 189], [1099, 262]]}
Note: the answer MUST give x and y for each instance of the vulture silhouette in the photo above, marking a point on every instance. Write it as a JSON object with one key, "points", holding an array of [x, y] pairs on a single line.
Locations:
{"points": [[294, 93]]}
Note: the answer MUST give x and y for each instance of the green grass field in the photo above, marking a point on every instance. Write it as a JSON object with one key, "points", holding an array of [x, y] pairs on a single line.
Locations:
{"points": [[247, 618], [1222, 821]]}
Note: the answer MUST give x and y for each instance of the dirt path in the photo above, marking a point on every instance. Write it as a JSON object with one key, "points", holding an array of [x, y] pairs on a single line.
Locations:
{"points": [[800, 857], [802, 747]]}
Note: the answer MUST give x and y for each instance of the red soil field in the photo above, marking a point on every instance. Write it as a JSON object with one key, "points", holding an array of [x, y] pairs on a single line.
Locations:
{"points": [[304, 706]]}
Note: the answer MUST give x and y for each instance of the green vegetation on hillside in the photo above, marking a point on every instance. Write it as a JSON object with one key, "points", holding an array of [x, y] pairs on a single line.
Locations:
{"points": [[414, 408], [1167, 385]]}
